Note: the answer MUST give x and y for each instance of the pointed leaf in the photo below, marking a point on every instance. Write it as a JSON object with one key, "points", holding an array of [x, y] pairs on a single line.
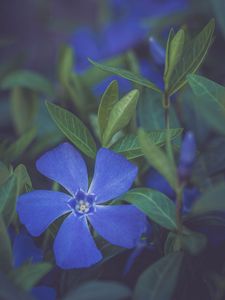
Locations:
{"points": [[159, 281], [128, 75], [108, 100], [157, 206], [120, 115], [73, 128], [5, 248], [158, 159], [192, 57], [129, 144]]}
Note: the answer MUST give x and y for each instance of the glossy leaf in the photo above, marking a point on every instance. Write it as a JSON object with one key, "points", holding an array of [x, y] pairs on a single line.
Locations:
{"points": [[120, 115], [28, 275], [129, 144], [100, 290], [128, 75], [73, 128], [157, 206], [160, 279], [27, 79], [192, 57], [108, 100], [158, 159]]}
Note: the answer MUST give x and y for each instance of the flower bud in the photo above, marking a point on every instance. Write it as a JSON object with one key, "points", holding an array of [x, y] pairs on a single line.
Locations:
{"points": [[157, 51]]}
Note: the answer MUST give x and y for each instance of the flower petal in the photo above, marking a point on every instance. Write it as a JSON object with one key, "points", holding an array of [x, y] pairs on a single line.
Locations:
{"points": [[65, 165], [113, 175], [38, 209], [121, 225], [74, 246]]}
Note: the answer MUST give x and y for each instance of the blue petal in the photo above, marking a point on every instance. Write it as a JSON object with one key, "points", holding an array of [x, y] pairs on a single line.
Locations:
{"points": [[43, 293], [74, 246], [38, 209], [113, 175], [65, 165], [25, 250], [121, 225]]}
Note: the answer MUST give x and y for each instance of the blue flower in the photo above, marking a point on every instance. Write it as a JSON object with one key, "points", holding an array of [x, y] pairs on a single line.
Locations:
{"points": [[74, 246]]}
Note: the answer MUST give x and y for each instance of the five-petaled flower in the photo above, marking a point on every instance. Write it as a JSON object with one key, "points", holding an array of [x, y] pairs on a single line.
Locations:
{"points": [[74, 246]]}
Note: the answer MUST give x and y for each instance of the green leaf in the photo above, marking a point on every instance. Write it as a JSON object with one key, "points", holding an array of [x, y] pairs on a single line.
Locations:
{"points": [[211, 201], [159, 281], [100, 290], [129, 145], [174, 49], [120, 115], [8, 291], [24, 183], [4, 173], [108, 100], [8, 192], [158, 159], [128, 75], [65, 64], [73, 129], [191, 59], [5, 248], [29, 80], [24, 107], [210, 100], [157, 206], [18, 147], [26, 276]]}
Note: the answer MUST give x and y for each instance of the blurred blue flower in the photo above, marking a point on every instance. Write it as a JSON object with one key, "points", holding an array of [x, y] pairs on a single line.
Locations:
{"points": [[74, 246], [25, 250], [158, 52], [187, 156]]}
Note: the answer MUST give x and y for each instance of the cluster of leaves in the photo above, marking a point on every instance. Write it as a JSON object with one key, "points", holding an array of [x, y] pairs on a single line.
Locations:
{"points": [[180, 241]]}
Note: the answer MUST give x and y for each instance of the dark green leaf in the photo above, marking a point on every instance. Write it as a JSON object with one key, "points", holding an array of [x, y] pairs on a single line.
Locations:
{"points": [[29, 80], [100, 290], [129, 145], [4, 173], [18, 147], [158, 159], [26, 276], [128, 75], [8, 193], [108, 100], [210, 100], [192, 57], [5, 248], [120, 115], [157, 206], [73, 129], [211, 201], [159, 281]]}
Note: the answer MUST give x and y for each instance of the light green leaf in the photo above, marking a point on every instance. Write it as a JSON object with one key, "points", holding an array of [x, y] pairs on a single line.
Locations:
{"points": [[191, 59], [175, 45], [128, 75], [73, 129], [120, 115], [65, 64], [210, 100], [157, 206], [24, 107], [27, 79], [158, 159], [5, 248], [159, 281], [100, 290], [28, 275], [18, 147], [24, 183], [108, 100], [129, 145], [211, 201]]}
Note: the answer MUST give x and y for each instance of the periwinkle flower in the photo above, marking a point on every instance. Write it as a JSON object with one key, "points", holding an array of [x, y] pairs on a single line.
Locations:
{"points": [[187, 156], [74, 246]]}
